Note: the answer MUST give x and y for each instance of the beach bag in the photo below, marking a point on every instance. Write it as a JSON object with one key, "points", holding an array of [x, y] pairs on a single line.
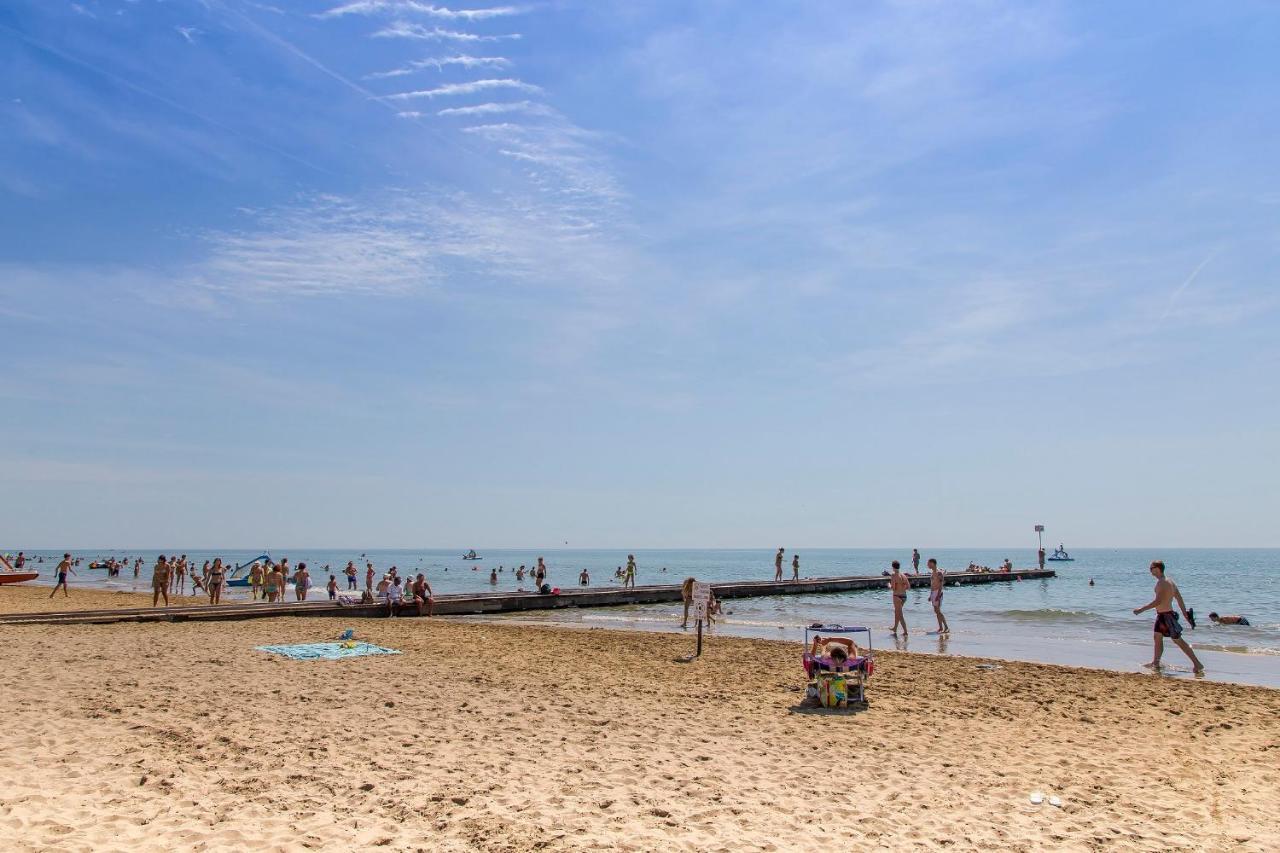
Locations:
{"points": [[545, 589], [832, 692]]}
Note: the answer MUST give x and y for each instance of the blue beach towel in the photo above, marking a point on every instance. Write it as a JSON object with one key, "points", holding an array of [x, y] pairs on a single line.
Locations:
{"points": [[327, 651]]}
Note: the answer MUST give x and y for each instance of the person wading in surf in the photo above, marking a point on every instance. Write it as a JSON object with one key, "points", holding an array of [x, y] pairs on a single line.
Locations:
{"points": [[1167, 620], [899, 585]]}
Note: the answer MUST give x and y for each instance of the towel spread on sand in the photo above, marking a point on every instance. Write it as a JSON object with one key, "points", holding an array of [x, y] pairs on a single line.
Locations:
{"points": [[327, 651]]}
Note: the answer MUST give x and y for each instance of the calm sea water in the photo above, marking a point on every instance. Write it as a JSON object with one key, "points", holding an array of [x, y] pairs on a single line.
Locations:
{"points": [[1062, 620]]}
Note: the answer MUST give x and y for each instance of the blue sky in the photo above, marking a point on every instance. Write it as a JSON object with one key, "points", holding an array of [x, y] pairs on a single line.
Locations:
{"points": [[395, 273]]}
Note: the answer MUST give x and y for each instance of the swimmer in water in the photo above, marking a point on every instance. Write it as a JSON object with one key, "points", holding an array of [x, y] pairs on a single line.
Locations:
{"points": [[1228, 620]]}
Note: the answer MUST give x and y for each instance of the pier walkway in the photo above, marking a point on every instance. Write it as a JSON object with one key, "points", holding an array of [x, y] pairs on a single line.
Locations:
{"points": [[466, 604]]}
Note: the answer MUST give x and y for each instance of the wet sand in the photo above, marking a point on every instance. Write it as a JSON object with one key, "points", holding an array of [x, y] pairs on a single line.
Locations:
{"points": [[511, 738]]}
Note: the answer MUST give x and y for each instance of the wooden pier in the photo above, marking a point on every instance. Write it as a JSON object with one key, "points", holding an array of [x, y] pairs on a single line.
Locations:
{"points": [[470, 604]]}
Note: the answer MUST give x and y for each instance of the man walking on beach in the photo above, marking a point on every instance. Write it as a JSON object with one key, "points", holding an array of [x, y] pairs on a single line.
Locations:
{"points": [[160, 581], [915, 560], [1166, 619], [777, 566], [899, 585], [936, 580], [63, 568]]}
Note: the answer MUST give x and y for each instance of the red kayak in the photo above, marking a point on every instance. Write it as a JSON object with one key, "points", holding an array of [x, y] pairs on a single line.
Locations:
{"points": [[17, 577]]}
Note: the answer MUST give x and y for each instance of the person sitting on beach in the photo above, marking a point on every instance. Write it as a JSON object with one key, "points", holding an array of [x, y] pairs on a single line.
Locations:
{"points": [[1228, 620], [394, 596], [839, 659], [422, 595]]}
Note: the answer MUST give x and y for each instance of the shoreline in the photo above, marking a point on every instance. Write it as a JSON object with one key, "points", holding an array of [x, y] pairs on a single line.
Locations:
{"points": [[1227, 667], [483, 736]]}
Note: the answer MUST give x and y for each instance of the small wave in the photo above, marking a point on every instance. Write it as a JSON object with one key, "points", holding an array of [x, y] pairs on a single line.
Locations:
{"points": [[1048, 615], [1239, 650]]}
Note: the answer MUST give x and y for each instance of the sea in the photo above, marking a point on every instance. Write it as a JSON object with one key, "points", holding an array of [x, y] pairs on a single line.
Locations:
{"points": [[1082, 617]]}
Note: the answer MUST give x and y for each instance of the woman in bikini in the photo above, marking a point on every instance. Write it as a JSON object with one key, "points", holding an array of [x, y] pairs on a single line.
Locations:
{"points": [[216, 576]]}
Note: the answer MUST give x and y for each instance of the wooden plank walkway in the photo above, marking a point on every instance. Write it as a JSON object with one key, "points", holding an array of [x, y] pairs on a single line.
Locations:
{"points": [[467, 604]]}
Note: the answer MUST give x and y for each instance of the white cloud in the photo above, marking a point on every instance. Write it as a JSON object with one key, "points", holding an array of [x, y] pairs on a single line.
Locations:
{"points": [[403, 29], [497, 108], [377, 7], [467, 88], [439, 63], [188, 33]]}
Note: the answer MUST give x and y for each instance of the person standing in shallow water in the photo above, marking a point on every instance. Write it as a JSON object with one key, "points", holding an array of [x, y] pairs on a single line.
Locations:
{"points": [[898, 585], [1166, 624], [937, 578]]}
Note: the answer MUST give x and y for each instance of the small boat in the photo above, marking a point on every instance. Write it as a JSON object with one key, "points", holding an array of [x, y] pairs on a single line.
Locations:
{"points": [[1060, 556], [17, 577], [232, 580], [471, 555]]}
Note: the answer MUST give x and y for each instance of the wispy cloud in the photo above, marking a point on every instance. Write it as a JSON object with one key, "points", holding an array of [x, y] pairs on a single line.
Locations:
{"points": [[467, 88], [188, 33], [561, 161], [403, 29], [531, 107], [402, 243], [439, 63], [1180, 289], [378, 7]]}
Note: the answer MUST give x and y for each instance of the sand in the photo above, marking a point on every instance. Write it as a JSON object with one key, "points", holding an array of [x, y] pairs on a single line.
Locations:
{"points": [[497, 738]]}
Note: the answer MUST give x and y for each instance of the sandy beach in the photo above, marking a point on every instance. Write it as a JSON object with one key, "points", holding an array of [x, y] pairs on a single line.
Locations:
{"points": [[483, 737]]}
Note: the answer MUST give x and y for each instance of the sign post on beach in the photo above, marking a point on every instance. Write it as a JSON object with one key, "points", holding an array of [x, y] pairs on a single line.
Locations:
{"points": [[701, 599]]}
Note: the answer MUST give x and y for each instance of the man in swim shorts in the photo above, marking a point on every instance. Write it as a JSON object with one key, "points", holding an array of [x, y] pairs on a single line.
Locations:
{"points": [[1166, 624], [777, 565], [915, 560], [898, 585], [63, 568], [1228, 620], [937, 578], [160, 581], [795, 567]]}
